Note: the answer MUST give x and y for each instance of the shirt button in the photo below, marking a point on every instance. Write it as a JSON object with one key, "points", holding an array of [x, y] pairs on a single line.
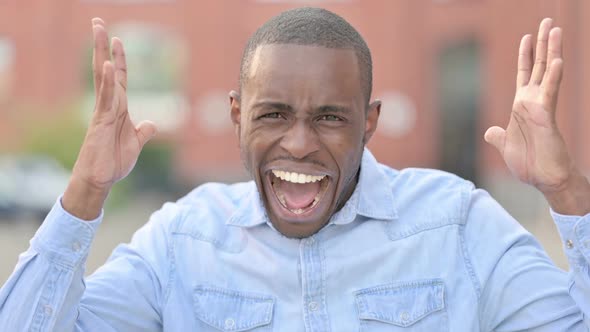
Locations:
{"points": [[569, 244], [404, 316], [76, 246], [48, 310], [310, 241], [230, 323], [313, 306]]}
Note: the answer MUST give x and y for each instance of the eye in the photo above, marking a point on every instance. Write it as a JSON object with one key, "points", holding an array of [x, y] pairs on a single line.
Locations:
{"points": [[272, 115], [330, 117]]}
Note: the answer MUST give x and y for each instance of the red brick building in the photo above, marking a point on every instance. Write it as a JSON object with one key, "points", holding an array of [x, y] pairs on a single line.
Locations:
{"points": [[444, 68]]}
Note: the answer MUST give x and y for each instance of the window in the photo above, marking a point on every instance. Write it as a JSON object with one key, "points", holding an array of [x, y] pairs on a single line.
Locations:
{"points": [[127, 2], [155, 62], [304, 1], [6, 67]]}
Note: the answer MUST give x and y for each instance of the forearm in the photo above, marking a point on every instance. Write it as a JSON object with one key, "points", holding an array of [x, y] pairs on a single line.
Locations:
{"points": [[84, 200]]}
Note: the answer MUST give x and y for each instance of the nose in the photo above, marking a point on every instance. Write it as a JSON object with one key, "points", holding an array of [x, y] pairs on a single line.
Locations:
{"points": [[300, 140]]}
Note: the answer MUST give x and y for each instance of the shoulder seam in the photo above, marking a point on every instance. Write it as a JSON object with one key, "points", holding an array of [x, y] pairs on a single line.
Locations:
{"points": [[465, 203], [468, 265], [171, 259]]}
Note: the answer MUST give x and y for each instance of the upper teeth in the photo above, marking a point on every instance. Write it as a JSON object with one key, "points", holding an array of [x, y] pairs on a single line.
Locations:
{"points": [[297, 177]]}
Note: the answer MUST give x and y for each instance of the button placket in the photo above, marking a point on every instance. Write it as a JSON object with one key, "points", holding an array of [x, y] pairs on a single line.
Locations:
{"points": [[76, 246], [313, 286], [313, 306], [48, 310]]}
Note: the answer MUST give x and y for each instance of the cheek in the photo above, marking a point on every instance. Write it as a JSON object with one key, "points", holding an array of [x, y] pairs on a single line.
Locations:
{"points": [[343, 144], [255, 145], [246, 147], [346, 147]]}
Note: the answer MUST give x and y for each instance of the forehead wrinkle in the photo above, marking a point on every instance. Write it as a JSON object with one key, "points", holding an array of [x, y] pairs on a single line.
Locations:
{"points": [[272, 104]]}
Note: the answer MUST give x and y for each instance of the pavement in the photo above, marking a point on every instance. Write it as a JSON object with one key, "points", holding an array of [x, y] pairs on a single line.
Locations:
{"points": [[117, 227]]}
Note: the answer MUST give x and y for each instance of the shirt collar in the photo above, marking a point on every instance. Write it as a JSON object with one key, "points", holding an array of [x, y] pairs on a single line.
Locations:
{"points": [[372, 198]]}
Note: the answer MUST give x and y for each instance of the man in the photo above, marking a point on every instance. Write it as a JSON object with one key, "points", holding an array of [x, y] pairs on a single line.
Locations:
{"points": [[324, 238]]}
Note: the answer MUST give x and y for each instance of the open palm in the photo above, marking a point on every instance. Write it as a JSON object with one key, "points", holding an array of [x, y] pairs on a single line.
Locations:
{"points": [[113, 143], [531, 144]]}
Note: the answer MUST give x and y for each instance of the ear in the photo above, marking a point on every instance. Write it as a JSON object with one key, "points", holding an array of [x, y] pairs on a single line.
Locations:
{"points": [[235, 111], [373, 112]]}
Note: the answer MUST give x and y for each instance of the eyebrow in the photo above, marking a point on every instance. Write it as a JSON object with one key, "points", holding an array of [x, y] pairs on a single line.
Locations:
{"points": [[275, 105], [333, 109], [285, 107]]}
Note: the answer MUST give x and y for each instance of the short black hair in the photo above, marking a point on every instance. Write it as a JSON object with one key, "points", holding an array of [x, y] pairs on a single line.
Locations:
{"points": [[311, 26]]}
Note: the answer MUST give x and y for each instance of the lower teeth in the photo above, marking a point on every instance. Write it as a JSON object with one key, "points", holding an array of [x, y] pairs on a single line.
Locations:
{"points": [[281, 198], [283, 201]]}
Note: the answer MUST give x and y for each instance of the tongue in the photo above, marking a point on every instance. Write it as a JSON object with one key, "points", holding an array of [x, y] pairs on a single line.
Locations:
{"points": [[298, 195]]}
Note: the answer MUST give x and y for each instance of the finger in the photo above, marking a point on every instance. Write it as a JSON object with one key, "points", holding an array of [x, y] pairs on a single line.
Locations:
{"points": [[525, 61], [98, 20], [100, 52], [107, 90], [496, 136], [541, 51], [554, 49], [145, 130], [551, 85], [120, 62]]}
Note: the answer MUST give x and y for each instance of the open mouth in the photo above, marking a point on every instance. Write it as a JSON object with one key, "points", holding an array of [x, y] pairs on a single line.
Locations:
{"points": [[296, 192]]}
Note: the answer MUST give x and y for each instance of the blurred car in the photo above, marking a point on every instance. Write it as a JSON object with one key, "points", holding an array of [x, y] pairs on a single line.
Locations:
{"points": [[7, 207], [30, 184]]}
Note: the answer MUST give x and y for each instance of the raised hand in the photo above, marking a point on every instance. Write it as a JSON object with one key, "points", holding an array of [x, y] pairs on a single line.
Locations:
{"points": [[531, 144], [112, 143]]}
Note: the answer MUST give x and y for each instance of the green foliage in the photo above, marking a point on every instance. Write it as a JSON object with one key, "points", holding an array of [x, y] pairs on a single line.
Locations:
{"points": [[60, 136], [57, 135], [153, 170]]}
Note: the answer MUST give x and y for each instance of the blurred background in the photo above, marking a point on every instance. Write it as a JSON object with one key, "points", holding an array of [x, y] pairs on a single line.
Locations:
{"points": [[444, 69]]}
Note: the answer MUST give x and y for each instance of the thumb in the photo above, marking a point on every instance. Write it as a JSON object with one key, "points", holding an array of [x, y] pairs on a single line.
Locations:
{"points": [[496, 136], [145, 130]]}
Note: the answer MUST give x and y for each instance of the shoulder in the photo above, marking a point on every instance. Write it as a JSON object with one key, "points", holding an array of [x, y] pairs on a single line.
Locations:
{"points": [[203, 212], [216, 195], [426, 179], [431, 194], [425, 200]]}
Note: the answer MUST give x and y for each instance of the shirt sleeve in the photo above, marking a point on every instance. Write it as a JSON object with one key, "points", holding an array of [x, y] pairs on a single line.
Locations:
{"points": [[518, 286], [575, 236], [48, 273], [47, 290]]}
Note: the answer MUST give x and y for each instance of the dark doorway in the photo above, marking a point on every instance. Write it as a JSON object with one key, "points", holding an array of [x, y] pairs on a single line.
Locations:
{"points": [[459, 88]]}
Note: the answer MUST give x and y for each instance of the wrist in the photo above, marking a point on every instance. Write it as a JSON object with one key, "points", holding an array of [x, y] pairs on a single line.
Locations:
{"points": [[573, 198], [84, 200]]}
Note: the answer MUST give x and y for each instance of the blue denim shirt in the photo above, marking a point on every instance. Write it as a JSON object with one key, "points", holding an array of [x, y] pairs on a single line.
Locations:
{"points": [[412, 250]]}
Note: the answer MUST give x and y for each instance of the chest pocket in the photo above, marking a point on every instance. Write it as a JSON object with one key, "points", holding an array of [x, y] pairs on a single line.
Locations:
{"points": [[410, 306], [229, 310]]}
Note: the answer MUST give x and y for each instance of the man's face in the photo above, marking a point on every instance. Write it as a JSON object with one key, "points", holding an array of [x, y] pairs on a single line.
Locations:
{"points": [[302, 123]]}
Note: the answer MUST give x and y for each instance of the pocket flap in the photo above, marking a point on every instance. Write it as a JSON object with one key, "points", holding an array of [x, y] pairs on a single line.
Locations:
{"points": [[401, 304], [229, 310]]}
